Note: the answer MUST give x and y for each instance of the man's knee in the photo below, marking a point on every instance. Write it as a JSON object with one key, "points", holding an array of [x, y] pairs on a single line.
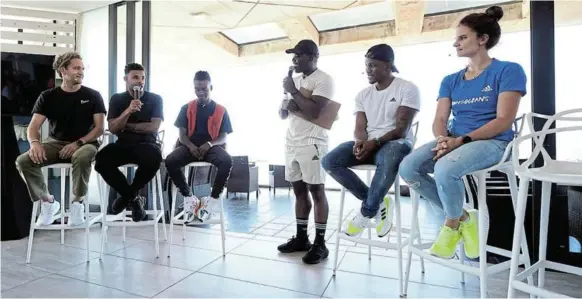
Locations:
{"points": [[84, 156], [326, 162], [224, 164], [23, 161], [316, 190]]}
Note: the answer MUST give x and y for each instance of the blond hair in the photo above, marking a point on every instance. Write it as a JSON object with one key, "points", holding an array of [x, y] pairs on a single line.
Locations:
{"points": [[64, 60]]}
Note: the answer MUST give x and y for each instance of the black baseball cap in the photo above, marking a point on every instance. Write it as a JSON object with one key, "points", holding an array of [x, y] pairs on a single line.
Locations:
{"points": [[305, 46], [382, 52]]}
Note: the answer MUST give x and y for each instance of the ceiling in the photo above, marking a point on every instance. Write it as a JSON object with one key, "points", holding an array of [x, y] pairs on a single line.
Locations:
{"points": [[251, 21], [60, 6]]}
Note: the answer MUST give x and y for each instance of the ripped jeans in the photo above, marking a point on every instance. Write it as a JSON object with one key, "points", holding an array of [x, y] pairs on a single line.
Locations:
{"points": [[449, 171], [387, 159]]}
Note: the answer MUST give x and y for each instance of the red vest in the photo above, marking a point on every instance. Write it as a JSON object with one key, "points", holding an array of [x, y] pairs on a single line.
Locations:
{"points": [[214, 121]]}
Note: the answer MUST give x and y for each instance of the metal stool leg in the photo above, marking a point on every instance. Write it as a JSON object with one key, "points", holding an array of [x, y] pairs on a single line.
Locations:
{"points": [[339, 230]]}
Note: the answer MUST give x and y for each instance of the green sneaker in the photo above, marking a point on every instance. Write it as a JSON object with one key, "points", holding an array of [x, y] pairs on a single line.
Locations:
{"points": [[446, 243], [470, 233], [384, 217]]}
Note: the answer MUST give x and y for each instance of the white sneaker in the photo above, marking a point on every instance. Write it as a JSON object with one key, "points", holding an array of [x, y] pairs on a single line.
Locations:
{"points": [[191, 207], [208, 207], [48, 212], [384, 217], [77, 215]]}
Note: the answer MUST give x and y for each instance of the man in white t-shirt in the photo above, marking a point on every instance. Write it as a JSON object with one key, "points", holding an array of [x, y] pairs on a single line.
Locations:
{"points": [[384, 113], [306, 145]]}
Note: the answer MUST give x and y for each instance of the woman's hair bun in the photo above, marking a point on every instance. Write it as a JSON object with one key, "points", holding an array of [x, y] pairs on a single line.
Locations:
{"points": [[495, 12]]}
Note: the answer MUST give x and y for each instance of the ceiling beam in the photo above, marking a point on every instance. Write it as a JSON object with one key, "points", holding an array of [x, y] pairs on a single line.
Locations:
{"points": [[359, 33], [223, 42], [275, 46], [511, 12], [409, 16], [300, 28]]}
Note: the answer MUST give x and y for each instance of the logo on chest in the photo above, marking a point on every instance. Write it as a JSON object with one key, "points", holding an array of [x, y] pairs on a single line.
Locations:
{"points": [[84, 101], [487, 88]]}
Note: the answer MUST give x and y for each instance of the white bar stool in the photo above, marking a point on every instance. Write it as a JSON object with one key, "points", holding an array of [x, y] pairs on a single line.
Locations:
{"points": [[484, 271], [414, 233], [120, 220], [180, 217], [90, 218], [552, 172]]}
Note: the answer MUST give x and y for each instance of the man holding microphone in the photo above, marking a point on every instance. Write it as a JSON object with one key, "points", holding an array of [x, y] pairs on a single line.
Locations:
{"points": [[306, 144], [135, 117]]}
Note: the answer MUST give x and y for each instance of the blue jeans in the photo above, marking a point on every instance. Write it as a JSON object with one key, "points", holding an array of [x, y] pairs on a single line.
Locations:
{"points": [[387, 158], [449, 171]]}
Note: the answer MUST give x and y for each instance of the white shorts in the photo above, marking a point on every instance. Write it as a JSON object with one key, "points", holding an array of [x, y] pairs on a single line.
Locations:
{"points": [[304, 164]]}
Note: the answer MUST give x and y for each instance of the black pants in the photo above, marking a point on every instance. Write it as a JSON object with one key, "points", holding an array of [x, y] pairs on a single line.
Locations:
{"points": [[216, 156], [147, 157]]}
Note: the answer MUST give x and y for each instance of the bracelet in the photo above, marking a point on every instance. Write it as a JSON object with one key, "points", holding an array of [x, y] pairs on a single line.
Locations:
{"points": [[33, 141]]}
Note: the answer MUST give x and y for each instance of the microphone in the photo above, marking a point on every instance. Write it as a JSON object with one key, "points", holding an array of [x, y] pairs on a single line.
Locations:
{"points": [[136, 92], [291, 70]]}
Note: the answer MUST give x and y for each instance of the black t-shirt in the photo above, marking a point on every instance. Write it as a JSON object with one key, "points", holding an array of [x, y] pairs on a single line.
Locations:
{"points": [[203, 113], [70, 114], [153, 107]]}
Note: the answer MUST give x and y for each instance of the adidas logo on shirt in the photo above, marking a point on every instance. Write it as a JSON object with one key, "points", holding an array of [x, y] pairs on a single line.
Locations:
{"points": [[486, 89]]}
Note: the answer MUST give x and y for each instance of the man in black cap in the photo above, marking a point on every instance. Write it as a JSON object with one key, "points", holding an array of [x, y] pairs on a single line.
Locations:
{"points": [[306, 145], [384, 113]]}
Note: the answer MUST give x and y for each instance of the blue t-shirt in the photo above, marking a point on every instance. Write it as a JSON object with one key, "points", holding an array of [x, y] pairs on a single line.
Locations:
{"points": [[474, 102]]}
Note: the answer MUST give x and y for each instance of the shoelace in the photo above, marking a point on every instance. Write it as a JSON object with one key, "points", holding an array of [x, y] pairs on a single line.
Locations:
{"points": [[359, 220]]}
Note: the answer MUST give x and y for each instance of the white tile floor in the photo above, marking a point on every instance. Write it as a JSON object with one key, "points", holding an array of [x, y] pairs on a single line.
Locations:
{"points": [[252, 268]]}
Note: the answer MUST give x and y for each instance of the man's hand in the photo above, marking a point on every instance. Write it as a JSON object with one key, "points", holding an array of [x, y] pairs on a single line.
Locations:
{"points": [[68, 150], [293, 107], [195, 151], [368, 148], [358, 146], [37, 153], [289, 85], [446, 145], [134, 106], [203, 149]]}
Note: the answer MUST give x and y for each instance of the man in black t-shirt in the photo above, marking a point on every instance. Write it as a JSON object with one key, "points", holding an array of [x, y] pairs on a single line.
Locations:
{"points": [[135, 117], [76, 115], [203, 126]]}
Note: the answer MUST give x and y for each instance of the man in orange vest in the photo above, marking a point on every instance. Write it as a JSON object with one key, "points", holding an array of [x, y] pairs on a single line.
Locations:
{"points": [[203, 126]]}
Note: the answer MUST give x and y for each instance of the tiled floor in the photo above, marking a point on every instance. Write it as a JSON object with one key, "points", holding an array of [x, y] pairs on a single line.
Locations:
{"points": [[252, 266]]}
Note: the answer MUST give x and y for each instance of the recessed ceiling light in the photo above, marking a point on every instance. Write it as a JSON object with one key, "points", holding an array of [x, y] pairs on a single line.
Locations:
{"points": [[199, 15]]}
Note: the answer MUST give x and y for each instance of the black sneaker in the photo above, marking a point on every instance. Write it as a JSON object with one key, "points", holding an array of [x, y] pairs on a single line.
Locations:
{"points": [[137, 211], [295, 244], [118, 205], [316, 254]]}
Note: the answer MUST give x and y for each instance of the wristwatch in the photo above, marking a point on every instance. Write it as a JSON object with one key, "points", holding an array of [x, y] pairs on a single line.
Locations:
{"points": [[80, 142], [467, 139]]}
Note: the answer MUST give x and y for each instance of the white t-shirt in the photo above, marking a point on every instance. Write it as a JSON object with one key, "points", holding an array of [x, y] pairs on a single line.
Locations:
{"points": [[302, 132], [380, 106]]}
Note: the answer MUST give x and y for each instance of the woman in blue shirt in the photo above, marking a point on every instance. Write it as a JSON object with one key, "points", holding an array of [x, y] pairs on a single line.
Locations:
{"points": [[484, 98]]}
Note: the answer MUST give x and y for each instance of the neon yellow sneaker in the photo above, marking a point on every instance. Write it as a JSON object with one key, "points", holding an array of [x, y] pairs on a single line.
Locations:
{"points": [[384, 217], [357, 225], [446, 243], [470, 233]]}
